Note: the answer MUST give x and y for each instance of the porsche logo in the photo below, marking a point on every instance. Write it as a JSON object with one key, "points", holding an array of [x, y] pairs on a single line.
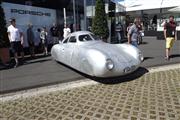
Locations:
{"points": [[29, 12]]}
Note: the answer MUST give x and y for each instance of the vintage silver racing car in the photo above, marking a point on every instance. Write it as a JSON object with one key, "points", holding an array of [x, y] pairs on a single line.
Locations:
{"points": [[88, 54]]}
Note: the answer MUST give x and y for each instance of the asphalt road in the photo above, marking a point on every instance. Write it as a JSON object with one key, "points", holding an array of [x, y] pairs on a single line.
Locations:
{"points": [[152, 96], [44, 71], [154, 52]]}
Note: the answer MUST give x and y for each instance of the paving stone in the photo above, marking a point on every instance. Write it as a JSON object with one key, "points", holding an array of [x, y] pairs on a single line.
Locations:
{"points": [[152, 96]]}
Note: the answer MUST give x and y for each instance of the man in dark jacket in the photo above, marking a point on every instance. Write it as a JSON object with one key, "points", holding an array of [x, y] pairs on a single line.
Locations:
{"points": [[55, 33], [30, 39]]}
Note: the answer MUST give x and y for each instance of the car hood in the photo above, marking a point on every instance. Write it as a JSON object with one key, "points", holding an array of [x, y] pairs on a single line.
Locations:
{"points": [[116, 53]]}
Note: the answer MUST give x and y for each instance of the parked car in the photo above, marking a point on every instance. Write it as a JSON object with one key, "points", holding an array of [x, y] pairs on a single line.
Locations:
{"points": [[88, 54]]}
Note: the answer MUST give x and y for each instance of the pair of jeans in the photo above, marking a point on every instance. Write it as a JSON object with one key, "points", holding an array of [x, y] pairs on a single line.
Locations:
{"points": [[134, 43]]}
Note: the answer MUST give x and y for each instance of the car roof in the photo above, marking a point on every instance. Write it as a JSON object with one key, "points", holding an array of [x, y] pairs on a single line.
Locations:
{"points": [[80, 33]]}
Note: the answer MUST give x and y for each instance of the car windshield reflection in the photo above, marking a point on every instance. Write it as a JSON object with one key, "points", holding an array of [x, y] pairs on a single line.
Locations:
{"points": [[87, 37]]}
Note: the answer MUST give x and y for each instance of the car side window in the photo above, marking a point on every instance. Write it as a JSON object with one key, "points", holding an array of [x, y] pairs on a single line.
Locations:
{"points": [[66, 40], [85, 38], [72, 39]]}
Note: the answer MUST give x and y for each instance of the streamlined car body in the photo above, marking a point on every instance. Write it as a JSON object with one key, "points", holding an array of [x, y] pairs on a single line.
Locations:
{"points": [[88, 54]]}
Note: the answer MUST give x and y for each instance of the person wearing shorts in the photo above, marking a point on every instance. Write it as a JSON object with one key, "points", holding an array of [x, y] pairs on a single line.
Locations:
{"points": [[16, 39], [170, 35]]}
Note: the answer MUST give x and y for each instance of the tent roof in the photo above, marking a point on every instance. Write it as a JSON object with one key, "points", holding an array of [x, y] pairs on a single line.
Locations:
{"points": [[134, 5], [175, 9]]}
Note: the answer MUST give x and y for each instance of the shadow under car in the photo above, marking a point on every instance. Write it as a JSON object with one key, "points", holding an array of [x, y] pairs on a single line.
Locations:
{"points": [[113, 80]]}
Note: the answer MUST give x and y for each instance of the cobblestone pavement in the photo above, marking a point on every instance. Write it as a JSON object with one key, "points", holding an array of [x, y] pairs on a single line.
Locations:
{"points": [[151, 96]]}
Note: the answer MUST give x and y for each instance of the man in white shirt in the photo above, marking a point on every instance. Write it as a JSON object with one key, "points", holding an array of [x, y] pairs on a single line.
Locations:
{"points": [[66, 31], [16, 40]]}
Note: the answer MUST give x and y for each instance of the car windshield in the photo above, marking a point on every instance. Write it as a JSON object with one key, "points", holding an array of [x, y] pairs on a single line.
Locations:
{"points": [[66, 40]]}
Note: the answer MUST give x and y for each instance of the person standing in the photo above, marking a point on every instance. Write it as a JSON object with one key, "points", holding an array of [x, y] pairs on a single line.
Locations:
{"points": [[127, 30], [170, 35], [119, 30], [37, 38], [66, 31], [16, 39], [30, 39], [43, 36], [133, 33], [140, 33], [55, 33]]}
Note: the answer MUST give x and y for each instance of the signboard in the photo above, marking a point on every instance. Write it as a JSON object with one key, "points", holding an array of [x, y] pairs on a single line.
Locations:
{"points": [[24, 15]]}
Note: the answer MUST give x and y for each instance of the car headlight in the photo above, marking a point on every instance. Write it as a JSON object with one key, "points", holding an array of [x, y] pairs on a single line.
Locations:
{"points": [[109, 64], [141, 57]]}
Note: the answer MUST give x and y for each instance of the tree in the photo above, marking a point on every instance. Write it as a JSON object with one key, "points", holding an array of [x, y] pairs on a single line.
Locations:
{"points": [[100, 26], [4, 41]]}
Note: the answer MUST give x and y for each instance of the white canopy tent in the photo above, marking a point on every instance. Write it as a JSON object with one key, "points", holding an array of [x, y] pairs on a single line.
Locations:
{"points": [[150, 8], [175, 9], [135, 5]]}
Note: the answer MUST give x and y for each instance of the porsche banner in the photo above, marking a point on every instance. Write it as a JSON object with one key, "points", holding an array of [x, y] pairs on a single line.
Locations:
{"points": [[29, 14], [24, 15]]}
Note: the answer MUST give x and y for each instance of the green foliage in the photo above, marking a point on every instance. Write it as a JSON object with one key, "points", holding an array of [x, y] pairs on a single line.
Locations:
{"points": [[100, 26], [4, 41]]}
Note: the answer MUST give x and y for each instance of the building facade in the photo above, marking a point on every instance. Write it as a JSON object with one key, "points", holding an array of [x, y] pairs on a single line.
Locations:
{"points": [[43, 13]]}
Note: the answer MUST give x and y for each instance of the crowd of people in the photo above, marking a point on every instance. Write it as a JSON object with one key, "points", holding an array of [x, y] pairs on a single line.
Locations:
{"points": [[16, 38], [133, 32]]}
